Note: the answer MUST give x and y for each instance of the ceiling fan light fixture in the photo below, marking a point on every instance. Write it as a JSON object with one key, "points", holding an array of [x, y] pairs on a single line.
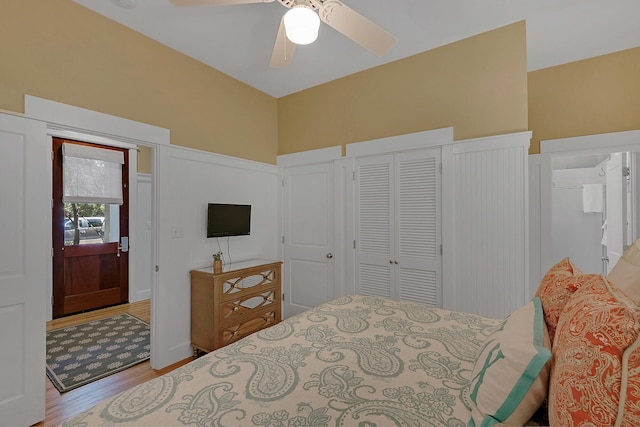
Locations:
{"points": [[301, 24]]}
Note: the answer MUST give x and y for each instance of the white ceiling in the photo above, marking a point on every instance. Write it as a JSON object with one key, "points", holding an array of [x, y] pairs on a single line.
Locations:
{"points": [[238, 40]]}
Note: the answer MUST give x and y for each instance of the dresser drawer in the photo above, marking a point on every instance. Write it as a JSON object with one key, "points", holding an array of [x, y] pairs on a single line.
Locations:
{"points": [[232, 288], [247, 325], [232, 310]]}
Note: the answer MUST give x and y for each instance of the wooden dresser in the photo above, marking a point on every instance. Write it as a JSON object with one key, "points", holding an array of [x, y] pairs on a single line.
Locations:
{"points": [[244, 298]]}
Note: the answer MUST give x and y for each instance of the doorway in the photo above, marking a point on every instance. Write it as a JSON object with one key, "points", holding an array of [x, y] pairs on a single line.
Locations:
{"points": [[90, 226], [541, 182], [591, 209]]}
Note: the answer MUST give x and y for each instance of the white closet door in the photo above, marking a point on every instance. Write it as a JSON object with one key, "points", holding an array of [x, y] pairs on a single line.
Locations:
{"points": [[308, 269], [397, 212], [374, 225], [417, 240], [25, 242]]}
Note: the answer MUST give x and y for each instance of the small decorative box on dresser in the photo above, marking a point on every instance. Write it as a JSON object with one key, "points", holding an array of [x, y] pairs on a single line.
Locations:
{"points": [[227, 306]]}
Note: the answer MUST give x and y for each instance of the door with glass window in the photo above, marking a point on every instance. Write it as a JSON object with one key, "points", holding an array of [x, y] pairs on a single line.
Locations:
{"points": [[90, 226]]}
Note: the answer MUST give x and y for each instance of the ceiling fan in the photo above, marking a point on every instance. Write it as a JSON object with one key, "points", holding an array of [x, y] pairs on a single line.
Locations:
{"points": [[295, 30]]}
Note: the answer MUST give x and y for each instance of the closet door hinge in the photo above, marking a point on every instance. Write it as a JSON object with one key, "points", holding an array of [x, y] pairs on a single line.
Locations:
{"points": [[440, 167], [440, 249], [354, 243], [354, 175], [282, 182], [283, 239]]}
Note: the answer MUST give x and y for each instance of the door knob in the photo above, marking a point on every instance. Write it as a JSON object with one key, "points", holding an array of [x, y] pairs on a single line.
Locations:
{"points": [[329, 255]]}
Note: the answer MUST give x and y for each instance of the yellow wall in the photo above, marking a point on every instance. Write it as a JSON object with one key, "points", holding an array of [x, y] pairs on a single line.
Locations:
{"points": [[477, 85], [59, 50], [596, 95]]}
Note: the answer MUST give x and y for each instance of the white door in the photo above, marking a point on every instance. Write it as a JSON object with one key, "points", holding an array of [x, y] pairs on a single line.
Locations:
{"points": [[308, 268], [616, 208], [417, 236], [398, 233], [25, 253], [374, 214]]}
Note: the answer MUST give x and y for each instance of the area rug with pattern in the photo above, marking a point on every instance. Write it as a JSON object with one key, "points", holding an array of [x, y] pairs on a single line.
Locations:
{"points": [[80, 354]]}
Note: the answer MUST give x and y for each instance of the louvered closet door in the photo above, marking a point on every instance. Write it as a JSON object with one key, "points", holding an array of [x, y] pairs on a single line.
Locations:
{"points": [[397, 213], [417, 237], [374, 225]]}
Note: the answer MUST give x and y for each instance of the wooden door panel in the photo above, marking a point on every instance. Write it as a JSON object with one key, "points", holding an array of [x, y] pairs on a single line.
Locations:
{"points": [[88, 301], [86, 276], [90, 273], [90, 250]]}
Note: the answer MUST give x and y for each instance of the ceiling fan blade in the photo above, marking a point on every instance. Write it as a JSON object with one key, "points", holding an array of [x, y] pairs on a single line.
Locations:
{"points": [[282, 50], [355, 26], [214, 2]]}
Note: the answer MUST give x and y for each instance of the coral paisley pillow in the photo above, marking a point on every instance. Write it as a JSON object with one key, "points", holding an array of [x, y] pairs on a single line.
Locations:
{"points": [[554, 291], [595, 377]]}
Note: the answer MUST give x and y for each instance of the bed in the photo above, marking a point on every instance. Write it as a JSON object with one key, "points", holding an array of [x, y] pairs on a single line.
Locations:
{"points": [[370, 361], [356, 360]]}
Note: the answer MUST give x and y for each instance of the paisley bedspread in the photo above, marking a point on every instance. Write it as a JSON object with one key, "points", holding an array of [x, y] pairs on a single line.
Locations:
{"points": [[355, 361]]}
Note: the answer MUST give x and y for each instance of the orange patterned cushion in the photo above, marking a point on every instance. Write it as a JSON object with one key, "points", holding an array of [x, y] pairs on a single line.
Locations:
{"points": [[555, 290], [597, 330]]}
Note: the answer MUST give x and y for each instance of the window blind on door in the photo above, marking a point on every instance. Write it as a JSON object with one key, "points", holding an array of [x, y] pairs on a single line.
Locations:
{"points": [[91, 174]]}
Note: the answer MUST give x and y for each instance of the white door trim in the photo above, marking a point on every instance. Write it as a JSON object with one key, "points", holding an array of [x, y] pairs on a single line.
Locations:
{"points": [[94, 126], [75, 119], [342, 209], [309, 157], [589, 144], [393, 144]]}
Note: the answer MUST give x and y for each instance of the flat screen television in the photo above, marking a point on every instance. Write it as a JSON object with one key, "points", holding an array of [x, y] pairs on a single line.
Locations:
{"points": [[228, 220]]}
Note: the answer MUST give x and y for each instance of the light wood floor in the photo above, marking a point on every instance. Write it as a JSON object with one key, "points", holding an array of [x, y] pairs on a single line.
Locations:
{"points": [[60, 406]]}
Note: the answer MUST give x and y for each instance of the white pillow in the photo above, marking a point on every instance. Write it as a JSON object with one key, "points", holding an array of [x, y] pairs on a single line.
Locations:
{"points": [[510, 377], [625, 275]]}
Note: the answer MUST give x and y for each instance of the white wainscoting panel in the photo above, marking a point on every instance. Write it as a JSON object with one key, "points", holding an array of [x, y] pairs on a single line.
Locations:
{"points": [[189, 180], [487, 268], [535, 234]]}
